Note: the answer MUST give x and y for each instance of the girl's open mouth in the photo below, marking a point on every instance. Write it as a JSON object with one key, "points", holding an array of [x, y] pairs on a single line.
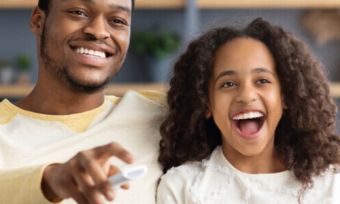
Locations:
{"points": [[249, 124]]}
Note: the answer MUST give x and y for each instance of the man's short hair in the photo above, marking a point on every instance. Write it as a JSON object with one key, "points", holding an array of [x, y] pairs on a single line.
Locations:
{"points": [[44, 4]]}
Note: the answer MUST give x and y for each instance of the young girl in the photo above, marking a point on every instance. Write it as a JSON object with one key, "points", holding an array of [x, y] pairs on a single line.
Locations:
{"points": [[251, 121]]}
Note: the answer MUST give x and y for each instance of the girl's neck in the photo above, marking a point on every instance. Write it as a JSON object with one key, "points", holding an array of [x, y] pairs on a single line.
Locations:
{"points": [[265, 162]]}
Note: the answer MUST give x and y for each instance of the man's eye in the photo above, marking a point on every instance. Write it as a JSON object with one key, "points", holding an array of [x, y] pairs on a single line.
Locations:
{"points": [[118, 21], [79, 13]]}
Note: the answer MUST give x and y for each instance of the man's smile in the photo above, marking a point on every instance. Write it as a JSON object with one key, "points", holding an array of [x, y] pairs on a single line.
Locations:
{"points": [[93, 48], [90, 52]]}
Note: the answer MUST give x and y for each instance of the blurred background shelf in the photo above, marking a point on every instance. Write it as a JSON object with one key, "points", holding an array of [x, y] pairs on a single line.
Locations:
{"points": [[215, 4], [17, 4], [18, 91], [169, 4], [139, 3], [335, 90]]}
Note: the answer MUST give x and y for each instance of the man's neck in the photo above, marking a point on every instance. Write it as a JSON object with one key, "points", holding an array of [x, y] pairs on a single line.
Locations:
{"points": [[60, 101]]}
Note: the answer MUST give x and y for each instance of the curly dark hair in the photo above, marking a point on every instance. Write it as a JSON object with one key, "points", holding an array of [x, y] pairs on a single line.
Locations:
{"points": [[305, 138]]}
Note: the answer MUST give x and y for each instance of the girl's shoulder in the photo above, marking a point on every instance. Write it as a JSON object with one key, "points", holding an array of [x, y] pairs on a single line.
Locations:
{"points": [[189, 171], [329, 178], [185, 171]]}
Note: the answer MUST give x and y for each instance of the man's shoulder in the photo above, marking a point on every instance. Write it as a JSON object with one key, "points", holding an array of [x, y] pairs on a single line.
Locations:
{"points": [[153, 96], [6, 112]]}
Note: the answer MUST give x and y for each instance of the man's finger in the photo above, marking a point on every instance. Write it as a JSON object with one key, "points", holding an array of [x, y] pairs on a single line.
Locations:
{"points": [[94, 169], [113, 149], [125, 186], [70, 189], [76, 195], [113, 170], [83, 180], [87, 184]]}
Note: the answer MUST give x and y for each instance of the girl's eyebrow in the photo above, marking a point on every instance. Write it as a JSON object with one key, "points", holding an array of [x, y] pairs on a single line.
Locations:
{"points": [[262, 70], [225, 73], [232, 72]]}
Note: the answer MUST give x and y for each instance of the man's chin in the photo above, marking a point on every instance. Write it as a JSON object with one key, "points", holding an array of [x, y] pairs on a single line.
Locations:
{"points": [[87, 87]]}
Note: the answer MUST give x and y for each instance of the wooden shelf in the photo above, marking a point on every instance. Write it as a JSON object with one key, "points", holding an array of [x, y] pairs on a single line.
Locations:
{"points": [[218, 4], [17, 4], [154, 4], [335, 90], [205, 4], [140, 4], [118, 89], [18, 91]]}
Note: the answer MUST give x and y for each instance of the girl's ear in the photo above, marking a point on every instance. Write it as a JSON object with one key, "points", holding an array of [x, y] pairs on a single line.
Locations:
{"points": [[285, 107], [208, 113], [37, 21]]}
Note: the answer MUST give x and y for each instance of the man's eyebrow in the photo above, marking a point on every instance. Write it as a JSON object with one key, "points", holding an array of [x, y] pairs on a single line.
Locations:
{"points": [[119, 8], [87, 1], [112, 6]]}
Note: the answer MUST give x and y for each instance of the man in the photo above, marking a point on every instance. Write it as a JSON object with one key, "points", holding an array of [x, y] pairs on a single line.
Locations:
{"points": [[63, 141]]}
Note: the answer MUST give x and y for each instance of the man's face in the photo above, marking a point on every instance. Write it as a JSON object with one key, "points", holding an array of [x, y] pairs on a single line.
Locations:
{"points": [[84, 42]]}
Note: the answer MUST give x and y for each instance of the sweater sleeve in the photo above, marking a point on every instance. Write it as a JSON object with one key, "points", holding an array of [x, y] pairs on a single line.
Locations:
{"points": [[22, 185]]}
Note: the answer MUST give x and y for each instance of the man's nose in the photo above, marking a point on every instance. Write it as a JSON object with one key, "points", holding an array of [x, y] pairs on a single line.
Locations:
{"points": [[247, 94], [98, 28]]}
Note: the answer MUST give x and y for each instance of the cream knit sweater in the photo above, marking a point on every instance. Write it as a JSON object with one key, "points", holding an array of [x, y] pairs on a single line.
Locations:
{"points": [[30, 141]]}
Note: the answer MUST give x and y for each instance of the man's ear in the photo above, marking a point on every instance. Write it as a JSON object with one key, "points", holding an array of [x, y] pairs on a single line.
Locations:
{"points": [[37, 21]]}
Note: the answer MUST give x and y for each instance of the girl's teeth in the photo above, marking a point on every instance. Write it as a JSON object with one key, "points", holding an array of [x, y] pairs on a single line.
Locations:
{"points": [[250, 115], [94, 53]]}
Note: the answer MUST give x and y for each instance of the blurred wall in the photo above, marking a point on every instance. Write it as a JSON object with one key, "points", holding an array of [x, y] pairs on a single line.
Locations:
{"points": [[16, 37]]}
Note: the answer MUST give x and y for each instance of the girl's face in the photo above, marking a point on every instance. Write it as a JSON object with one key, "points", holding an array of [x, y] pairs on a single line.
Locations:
{"points": [[245, 97]]}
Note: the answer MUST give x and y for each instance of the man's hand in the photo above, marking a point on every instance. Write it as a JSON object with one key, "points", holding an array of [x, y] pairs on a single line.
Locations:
{"points": [[84, 177]]}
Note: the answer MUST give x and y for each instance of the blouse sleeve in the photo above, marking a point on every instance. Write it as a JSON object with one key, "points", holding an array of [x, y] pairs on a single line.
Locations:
{"points": [[166, 194], [174, 186]]}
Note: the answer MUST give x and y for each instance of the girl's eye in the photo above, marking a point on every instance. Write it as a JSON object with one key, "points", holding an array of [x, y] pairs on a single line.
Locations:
{"points": [[263, 81], [228, 84]]}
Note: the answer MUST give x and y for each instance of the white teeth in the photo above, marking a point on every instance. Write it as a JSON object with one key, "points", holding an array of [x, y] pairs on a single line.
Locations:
{"points": [[249, 115], [94, 53]]}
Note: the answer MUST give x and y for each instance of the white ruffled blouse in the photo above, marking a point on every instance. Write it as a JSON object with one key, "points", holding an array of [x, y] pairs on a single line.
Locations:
{"points": [[215, 180]]}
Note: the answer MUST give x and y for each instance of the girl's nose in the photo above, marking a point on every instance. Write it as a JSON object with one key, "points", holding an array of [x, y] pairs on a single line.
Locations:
{"points": [[247, 94]]}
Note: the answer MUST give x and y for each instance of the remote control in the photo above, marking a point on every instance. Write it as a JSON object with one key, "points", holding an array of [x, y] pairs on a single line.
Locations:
{"points": [[128, 174]]}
